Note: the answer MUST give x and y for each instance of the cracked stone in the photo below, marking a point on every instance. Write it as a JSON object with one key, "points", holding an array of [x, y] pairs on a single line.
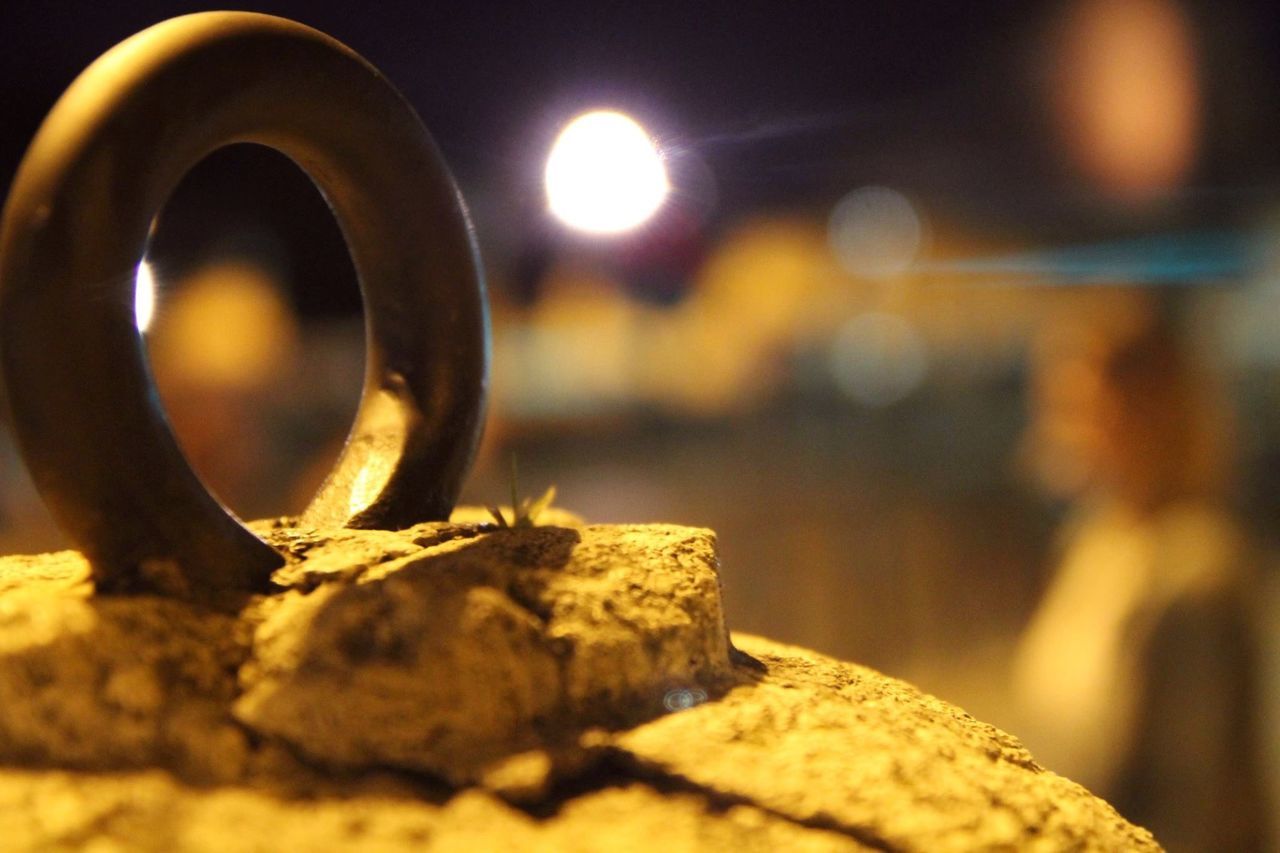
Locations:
{"points": [[463, 688], [111, 682], [836, 745], [458, 654]]}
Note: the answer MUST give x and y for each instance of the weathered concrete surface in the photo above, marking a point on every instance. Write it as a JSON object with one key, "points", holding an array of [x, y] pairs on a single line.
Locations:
{"points": [[95, 682], [833, 744], [563, 628], [149, 811], [470, 689]]}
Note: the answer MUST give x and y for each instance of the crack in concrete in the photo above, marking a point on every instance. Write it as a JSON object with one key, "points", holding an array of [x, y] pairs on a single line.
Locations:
{"points": [[614, 767]]}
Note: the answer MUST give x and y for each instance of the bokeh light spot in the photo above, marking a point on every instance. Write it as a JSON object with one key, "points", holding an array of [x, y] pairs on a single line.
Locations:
{"points": [[1127, 94], [878, 359], [875, 232], [605, 175]]}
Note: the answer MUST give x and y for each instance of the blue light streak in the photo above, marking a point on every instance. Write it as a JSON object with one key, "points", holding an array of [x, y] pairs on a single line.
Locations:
{"points": [[1164, 260]]}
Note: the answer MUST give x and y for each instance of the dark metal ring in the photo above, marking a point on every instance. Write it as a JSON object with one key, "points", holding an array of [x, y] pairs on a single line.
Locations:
{"points": [[82, 400]]}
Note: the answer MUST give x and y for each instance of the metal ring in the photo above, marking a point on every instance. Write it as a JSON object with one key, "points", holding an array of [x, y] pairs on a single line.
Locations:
{"points": [[83, 404]]}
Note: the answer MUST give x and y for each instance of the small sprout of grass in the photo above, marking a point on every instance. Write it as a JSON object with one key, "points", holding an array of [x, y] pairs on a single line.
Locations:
{"points": [[525, 512]]}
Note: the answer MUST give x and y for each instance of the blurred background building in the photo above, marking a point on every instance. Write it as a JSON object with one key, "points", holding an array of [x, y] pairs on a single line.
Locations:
{"points": [[845, 320]]}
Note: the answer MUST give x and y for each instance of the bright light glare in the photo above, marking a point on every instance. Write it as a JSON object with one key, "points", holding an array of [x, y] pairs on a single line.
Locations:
{"points": [[604, 174], [144, 297]]}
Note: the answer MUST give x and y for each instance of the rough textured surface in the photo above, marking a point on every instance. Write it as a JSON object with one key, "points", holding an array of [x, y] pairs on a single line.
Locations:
{"points": [[149, 811], [873, 757], [473, 689], [563, 628], [97, 682]]}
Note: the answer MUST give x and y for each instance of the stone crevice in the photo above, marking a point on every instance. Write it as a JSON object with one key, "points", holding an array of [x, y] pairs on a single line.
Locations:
{"points": [[632, 767]]}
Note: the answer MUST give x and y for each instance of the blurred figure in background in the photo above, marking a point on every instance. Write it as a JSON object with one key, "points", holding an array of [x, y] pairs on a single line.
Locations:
{"points": [[1136, 675]]}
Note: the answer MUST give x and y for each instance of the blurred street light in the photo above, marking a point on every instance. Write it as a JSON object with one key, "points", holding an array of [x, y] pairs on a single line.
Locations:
{"points": [[1127, 93], [605, 175]]}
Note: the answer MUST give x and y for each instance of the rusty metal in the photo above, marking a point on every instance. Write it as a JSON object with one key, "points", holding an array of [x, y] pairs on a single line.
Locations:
{"points": [[82, 401]]}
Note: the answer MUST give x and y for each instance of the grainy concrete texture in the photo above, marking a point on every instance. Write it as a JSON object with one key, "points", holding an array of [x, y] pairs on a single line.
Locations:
{"points": [[457, 687]]}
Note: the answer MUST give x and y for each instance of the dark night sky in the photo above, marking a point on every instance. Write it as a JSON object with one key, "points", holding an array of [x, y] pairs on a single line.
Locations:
{"points": [[492, 79], [788, 103]]}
